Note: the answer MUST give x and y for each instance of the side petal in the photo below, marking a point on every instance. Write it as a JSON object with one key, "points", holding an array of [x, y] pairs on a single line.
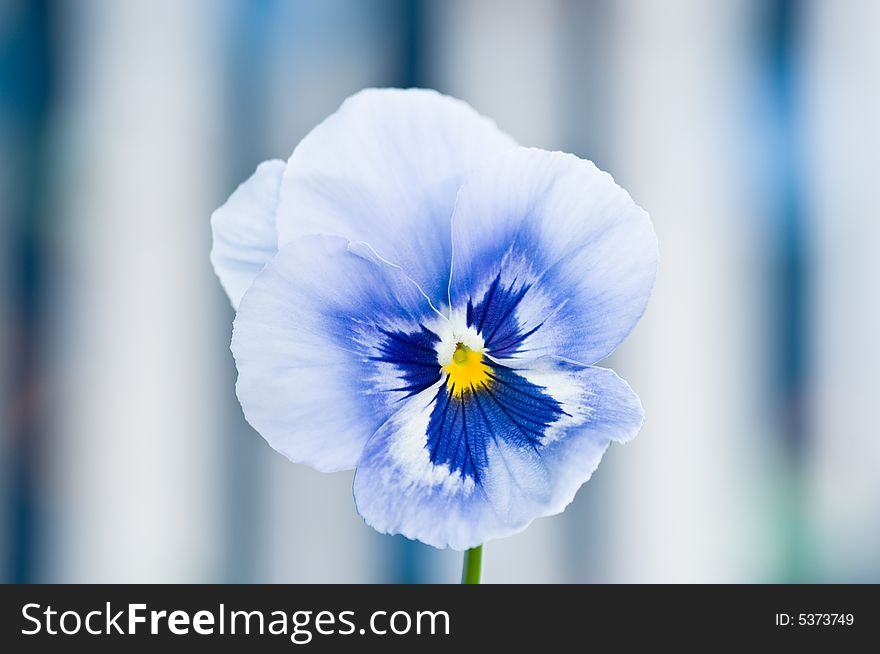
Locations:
{"points": [[385, 169], [497, 469], [328, 341], [551, 257], [244, 230]]}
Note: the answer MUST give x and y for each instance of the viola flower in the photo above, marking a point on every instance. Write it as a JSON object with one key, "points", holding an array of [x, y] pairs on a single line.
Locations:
{"points": [[422, 300]]}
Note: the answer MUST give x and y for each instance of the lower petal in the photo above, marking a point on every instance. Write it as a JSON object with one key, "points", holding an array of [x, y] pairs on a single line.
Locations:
{"points": [[503, 467]]}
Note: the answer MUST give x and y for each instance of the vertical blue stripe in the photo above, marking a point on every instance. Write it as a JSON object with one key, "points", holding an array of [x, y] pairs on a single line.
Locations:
{"points": [[25, 95], [791, 278]]}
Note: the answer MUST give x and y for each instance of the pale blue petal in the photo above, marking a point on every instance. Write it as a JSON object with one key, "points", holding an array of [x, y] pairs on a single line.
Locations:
{"points": [[485, 480], [244, 230], [328, 341], [385, 169], [551, 257]]}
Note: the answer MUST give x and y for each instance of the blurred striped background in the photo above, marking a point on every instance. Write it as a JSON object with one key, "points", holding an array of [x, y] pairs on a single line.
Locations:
{"points": [[750, 130]]}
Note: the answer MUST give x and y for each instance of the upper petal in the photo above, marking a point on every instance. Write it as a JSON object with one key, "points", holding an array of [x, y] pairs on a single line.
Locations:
{"points": [[385, 169], [459, 472], [244, 230], [328, 340], [551, 256]]}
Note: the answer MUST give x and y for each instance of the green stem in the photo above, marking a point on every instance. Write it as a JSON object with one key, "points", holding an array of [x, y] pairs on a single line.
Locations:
{"points": [[473, 563]]}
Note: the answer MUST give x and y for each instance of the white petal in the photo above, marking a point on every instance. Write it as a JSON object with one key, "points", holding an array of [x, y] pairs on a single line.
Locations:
{"points": [[328, 341], [244, 230], [553, 257], [385, 169]]}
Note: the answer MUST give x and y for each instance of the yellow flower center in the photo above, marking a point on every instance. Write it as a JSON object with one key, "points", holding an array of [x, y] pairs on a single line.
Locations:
{"points": [[466, 372]]}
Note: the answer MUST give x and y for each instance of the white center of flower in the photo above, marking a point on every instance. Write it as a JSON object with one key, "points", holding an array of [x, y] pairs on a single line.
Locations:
{"points": [[453, 333]]}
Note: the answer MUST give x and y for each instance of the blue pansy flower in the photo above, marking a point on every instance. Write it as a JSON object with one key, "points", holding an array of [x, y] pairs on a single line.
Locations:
{"points": [[422, 300]]}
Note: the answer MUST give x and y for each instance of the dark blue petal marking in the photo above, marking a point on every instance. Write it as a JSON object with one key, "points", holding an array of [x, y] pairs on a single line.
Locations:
{"points": [[494, 317], [414, 354], [510, 408]]}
